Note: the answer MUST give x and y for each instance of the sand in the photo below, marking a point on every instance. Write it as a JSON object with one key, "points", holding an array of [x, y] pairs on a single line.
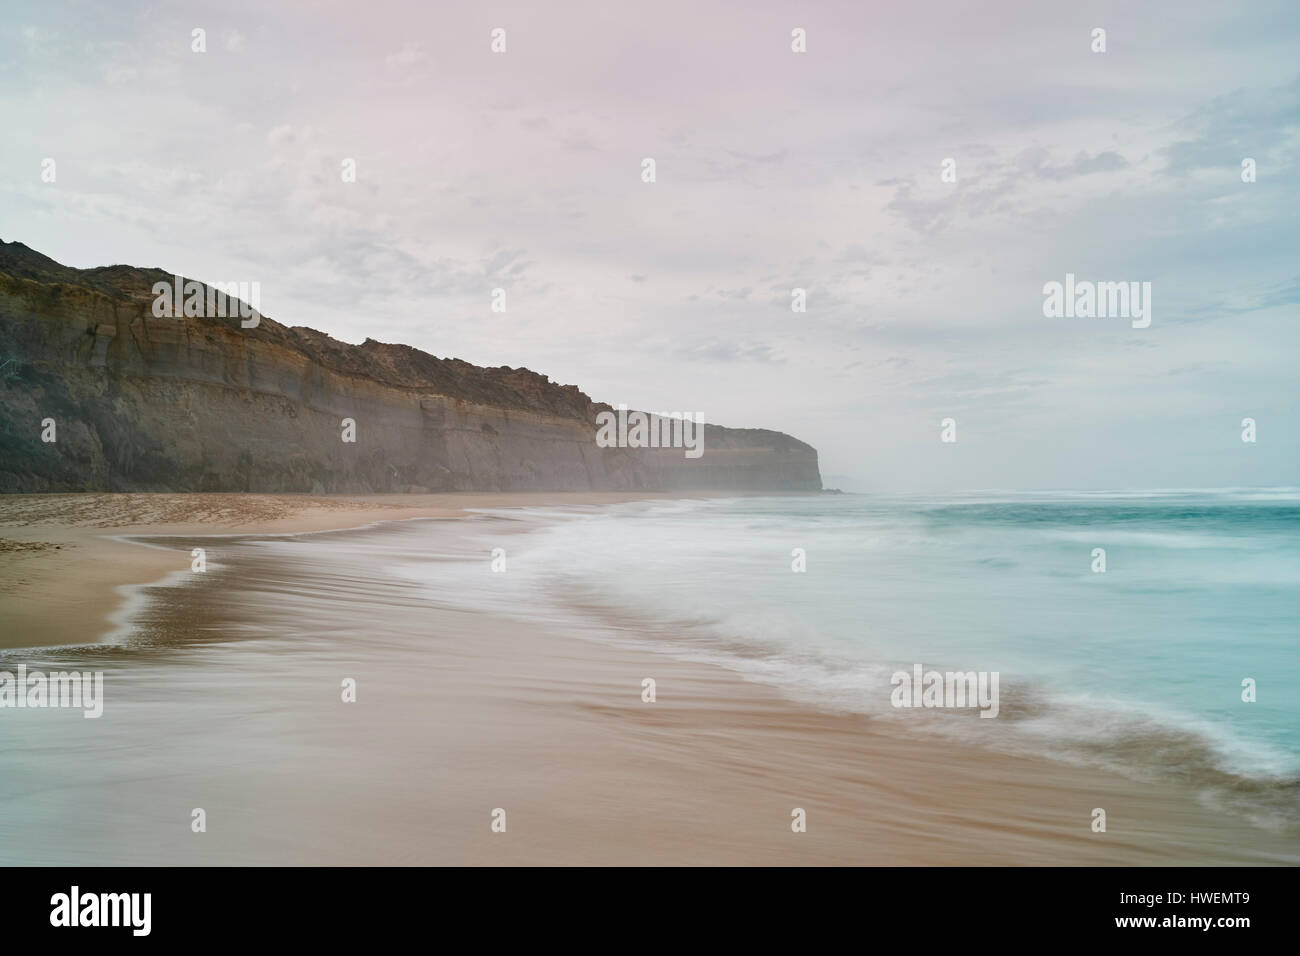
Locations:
{"points": [[551, 728], [63, 567]]}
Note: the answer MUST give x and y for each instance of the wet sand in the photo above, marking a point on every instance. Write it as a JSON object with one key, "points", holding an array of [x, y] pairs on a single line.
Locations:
{"points": [[63, 567], [228, 699]]}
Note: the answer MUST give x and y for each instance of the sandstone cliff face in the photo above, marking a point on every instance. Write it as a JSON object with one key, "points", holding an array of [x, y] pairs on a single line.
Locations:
{"points": [[200, 404]]}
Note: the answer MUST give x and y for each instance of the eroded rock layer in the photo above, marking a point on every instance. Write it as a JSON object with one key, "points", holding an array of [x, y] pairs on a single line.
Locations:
{"points": [[201, 404]]}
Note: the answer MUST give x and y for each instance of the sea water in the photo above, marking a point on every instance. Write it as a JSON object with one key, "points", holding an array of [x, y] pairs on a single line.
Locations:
{"points": [[1141, 657]]}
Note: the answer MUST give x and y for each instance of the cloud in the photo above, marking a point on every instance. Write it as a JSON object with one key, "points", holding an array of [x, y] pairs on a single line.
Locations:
{"points": [[1245, 122], [409, 56], [729, 352], [1035, 162]]}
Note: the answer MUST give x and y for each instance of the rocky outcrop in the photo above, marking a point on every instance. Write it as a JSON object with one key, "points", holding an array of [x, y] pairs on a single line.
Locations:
{"points": [[140, 403]]}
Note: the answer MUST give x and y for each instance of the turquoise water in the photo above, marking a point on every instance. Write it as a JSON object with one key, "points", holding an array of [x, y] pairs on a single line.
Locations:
{"points": [[222, 690], [1139, 667]]}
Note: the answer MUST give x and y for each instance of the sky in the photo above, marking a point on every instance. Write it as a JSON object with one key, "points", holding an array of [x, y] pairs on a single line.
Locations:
{"points": [[821, 170]]}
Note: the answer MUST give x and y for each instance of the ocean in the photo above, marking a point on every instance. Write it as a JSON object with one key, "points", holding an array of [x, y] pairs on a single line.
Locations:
{"points": [[1138, 667], [476, 647]]}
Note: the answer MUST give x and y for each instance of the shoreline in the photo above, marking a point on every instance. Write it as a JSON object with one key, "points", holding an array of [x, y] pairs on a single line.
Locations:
{"points": [[551, 725], [66, 573]]}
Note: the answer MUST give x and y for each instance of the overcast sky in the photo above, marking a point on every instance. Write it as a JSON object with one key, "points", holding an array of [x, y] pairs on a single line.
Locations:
{"points": [[775, 170]]}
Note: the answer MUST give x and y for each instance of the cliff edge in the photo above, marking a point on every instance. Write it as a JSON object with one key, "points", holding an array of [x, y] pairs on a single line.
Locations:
{"points": [[141, 403]]}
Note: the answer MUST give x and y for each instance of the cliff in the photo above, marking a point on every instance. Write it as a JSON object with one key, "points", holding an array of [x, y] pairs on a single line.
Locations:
{"points": [[200, 404]]}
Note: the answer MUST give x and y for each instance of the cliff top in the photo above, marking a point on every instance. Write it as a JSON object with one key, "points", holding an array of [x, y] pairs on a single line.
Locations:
{"points": [[400, 366]]}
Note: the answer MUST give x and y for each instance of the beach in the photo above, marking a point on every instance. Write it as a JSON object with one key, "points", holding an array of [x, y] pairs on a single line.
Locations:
{"points": [[63, 565], [224, 694]]}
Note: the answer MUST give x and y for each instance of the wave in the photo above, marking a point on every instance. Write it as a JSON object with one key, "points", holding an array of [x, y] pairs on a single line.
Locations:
{"points": [[710, 581]]}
